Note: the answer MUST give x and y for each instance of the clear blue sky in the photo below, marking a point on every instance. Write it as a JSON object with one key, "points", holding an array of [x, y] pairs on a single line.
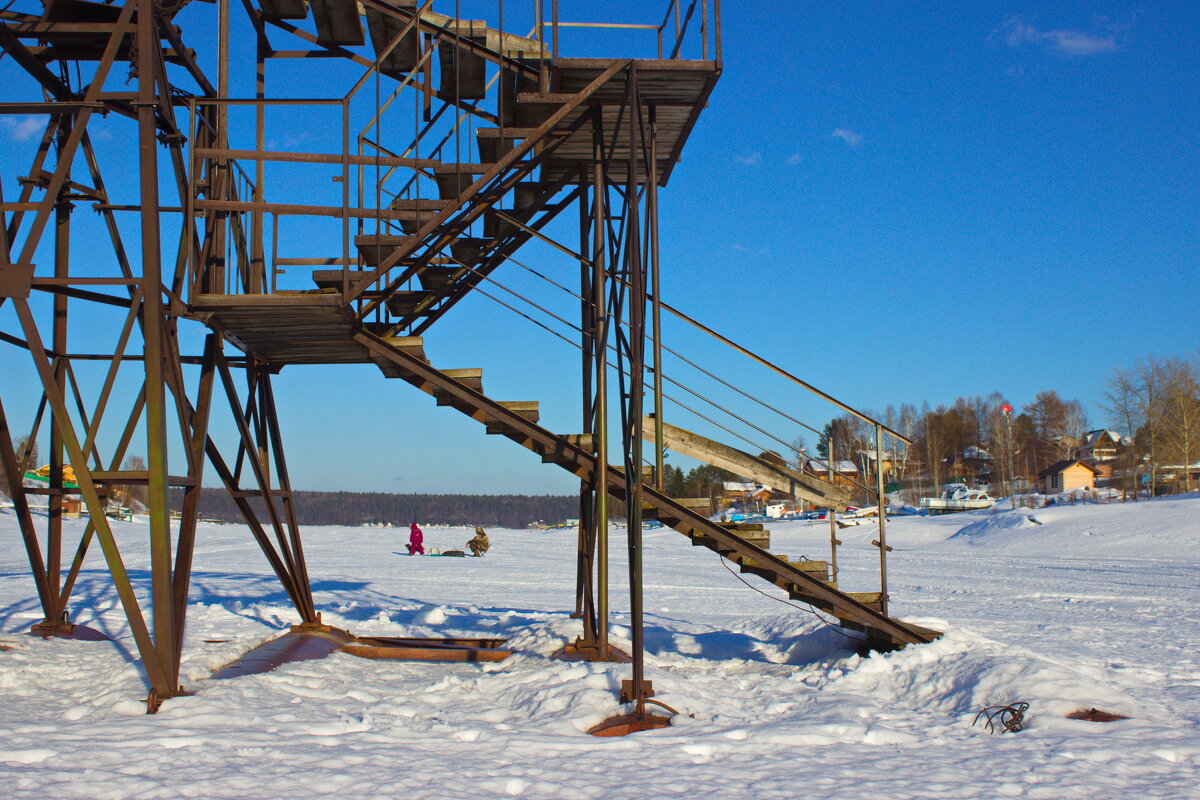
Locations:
{"points": [[897, 203]]}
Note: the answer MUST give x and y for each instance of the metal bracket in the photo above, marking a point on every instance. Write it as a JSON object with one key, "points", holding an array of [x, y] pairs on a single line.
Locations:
{"points": [[16, 280], [627, 690]]}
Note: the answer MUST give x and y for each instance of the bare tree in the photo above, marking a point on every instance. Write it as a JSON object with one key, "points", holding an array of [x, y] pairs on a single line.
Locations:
{"points": [[129, 494], [1150, 394], [1067, 431], [1181, 412], [1122, 401]]}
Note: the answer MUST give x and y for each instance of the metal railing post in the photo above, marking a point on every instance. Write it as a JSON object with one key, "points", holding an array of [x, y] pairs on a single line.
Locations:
{"points": [[881, 506]]}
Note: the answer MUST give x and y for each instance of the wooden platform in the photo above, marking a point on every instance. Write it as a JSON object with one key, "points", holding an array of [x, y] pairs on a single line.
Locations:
{"points": [[282, 329], [677, 89]]}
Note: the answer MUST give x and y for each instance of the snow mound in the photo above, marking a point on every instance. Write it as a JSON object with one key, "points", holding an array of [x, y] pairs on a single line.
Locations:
{"points": [[995, 524], [963, 672], [431, 614]]}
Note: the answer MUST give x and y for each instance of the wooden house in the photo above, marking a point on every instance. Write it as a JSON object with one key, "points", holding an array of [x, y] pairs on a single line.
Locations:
{"points": [[845, 472], [1099, 446], [1064, 476]]}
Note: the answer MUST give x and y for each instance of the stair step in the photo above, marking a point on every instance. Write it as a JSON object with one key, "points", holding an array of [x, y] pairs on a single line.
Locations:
{"points": [[584, 441], [741, 526], [375, 247], [471, 377], [805, 565], [468, 250], [534, 109], [332, 278], [509, 133], [284, 9], [549, 99], [464, 72], [417, 204], [758, 538], [524, 408], [527, 196], [699, 538], [337, 22], [492, 147], [558, 455], [411, 345], [383, 29], [647, 472], [453, 179], [402, 304], [435, 278], [700, 505], [814, 569], [494, 227]]}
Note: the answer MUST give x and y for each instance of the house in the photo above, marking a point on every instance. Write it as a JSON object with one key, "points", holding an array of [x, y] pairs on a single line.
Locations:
{"points": [[845, 472], [1100, 446], [973, 463], [891, 464], [1064, 476], [738, 491]]}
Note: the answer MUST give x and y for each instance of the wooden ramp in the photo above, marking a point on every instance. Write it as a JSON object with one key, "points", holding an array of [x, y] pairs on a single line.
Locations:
{"points": [[775, 476]]}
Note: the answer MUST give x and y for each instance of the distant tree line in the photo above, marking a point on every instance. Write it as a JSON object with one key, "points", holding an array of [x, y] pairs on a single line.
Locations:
{"points": [[1154, 405], [361, 508]]}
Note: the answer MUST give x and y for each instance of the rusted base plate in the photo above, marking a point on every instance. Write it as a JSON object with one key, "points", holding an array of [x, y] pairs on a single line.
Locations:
{"points": [[1095, 715], [65, 631], [428, 649], [307, 643], [625, 724], [295, 645], [576, 652]]}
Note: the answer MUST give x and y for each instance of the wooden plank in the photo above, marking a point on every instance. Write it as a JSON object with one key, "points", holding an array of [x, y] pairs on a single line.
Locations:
{"points": [[386, 27], [284, 9], [337, 22], [332, 278], [471, 376], [757, 469], [417, 652]]}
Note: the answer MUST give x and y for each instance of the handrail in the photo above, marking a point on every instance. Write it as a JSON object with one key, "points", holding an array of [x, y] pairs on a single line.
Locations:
{"points": [[673, 9]]}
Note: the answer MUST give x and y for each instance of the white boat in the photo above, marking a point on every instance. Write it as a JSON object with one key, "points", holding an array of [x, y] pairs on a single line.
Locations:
{"points": [[957, 497]]}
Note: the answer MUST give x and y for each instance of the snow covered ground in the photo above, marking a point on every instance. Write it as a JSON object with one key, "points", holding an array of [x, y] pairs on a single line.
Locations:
{"points": [[1065, 608]]}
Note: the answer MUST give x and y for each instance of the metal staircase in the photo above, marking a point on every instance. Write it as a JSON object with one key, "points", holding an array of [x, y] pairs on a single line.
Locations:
{"points": [[806, 581]]}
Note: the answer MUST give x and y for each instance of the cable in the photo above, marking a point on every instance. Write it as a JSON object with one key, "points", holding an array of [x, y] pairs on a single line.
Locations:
{"points": [[807, 608]]}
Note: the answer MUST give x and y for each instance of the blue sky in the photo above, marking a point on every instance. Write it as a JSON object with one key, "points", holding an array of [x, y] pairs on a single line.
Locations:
{"points": [[898, 202]]}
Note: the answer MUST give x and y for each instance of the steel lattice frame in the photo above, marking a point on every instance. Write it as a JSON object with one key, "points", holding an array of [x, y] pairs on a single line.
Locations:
{"points": [[618, 232]]}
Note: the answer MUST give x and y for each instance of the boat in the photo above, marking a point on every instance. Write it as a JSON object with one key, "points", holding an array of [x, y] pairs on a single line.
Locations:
{"points": [[957, 497]]}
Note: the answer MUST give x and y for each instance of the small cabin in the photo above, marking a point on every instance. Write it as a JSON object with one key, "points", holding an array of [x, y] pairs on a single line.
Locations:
{"points": [[1066, 476]]}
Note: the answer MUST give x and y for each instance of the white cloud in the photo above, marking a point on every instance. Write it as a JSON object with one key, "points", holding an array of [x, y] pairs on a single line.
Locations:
{"points": [[1017, 32], [794, 159], [848, 136], [24, 128], [749, 159]]}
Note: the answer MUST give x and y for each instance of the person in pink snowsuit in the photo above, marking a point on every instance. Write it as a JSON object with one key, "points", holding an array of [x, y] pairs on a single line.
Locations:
{"points": [[415, 541]]}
